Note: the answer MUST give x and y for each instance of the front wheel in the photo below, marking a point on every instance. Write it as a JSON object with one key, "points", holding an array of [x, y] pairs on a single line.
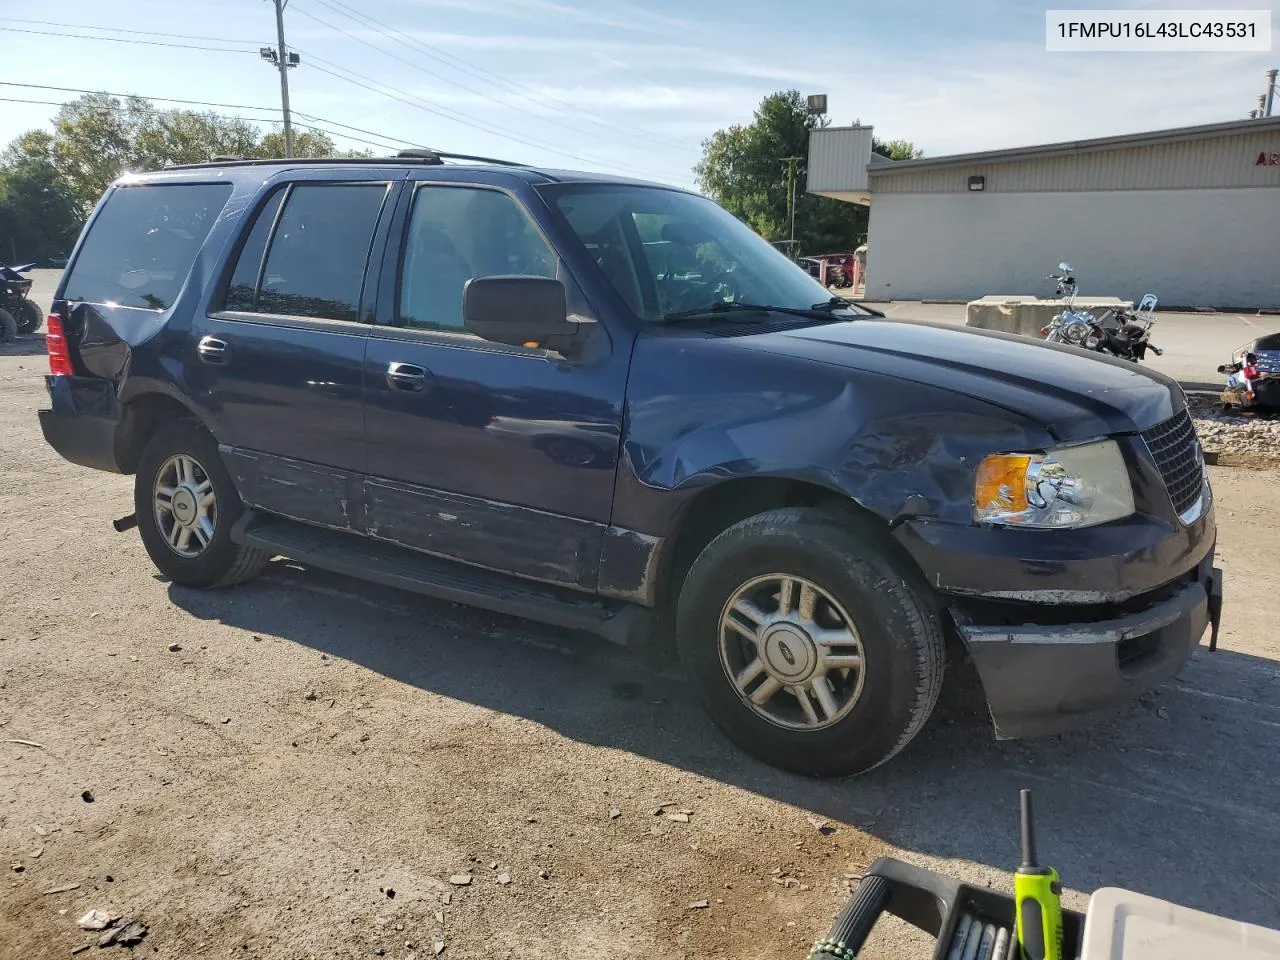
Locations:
{"points": [[811, 647], [186, 505], [28, 317]]}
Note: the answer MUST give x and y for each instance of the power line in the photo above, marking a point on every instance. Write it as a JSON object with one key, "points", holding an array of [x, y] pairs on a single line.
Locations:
{"points": [[117, 107], [395, 36], [475, 70], [392, 141], [420, 104], [145, 33], [391, 33], [148, 43], [582, 158], [442, 112]]}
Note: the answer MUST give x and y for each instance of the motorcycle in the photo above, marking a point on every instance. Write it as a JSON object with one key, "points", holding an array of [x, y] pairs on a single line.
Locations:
{"points": [[17, 313], [1253, 375], [1122, 333]]}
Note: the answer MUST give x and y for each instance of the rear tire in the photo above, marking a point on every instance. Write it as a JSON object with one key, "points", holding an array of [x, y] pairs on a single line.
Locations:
{"points": [[8, 326], [862, 607], [29, 317], [186, 506]]}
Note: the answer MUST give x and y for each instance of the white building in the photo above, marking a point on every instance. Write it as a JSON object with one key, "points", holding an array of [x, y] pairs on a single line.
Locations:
{"points": [[1191, 214]]}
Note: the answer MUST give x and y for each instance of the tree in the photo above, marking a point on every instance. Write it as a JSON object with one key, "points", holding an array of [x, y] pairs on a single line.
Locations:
{"points": [[49, 182], [896, 149], [37, 217], [743, 169]]}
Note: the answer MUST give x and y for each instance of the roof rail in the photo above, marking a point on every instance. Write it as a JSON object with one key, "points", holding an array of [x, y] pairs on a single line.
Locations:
{"points": [[439, 156], [417, 154]]}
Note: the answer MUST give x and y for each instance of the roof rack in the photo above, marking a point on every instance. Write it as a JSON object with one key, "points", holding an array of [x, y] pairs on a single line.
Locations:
{"points": [[439, 156], [415, 154]]}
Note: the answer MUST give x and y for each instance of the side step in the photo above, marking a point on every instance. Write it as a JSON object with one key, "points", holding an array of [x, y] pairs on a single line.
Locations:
{"points": [[393, 566]]}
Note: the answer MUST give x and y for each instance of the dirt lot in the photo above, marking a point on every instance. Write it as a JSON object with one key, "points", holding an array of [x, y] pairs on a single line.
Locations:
{"points": [[303, 777]]}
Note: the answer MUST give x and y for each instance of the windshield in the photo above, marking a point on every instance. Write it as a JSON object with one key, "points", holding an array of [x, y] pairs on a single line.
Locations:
{"points": [[669, 253]]}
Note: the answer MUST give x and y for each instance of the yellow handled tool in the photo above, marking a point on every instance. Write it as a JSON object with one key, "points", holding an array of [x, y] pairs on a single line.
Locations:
{"points": [[1038, 894]]}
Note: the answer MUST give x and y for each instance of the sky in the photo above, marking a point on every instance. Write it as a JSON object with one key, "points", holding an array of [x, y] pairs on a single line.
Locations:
{"points": [[621, 86]]}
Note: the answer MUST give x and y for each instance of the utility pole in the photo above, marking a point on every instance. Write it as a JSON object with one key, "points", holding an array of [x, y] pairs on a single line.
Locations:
{"points": [[791, 201], [280, 56]]}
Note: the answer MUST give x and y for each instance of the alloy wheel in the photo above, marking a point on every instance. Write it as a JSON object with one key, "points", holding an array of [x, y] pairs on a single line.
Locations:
{"points": [[791, 651], [186, 509]]}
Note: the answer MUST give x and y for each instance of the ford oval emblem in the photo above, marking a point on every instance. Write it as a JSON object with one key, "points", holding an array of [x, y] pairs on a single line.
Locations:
{"points": [[786, 653]]}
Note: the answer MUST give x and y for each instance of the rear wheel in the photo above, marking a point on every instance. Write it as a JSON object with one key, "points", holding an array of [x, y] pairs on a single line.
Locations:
{"points": [[8, 326], [186, 505], [29, 317], [810, 647]]}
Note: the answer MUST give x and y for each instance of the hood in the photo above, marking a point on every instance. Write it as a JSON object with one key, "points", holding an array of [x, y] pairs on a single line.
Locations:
{"points": [[1073, 394]]}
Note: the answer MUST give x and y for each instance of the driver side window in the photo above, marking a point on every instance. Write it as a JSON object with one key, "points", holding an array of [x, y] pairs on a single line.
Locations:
{"points": [[455, 234]]}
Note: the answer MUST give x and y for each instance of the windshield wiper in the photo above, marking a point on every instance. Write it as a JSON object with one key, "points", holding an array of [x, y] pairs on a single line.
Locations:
{"points": [[836, 303], [819, 312]]}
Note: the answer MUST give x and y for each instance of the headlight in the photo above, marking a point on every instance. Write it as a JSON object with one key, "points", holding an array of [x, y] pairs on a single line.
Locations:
{"points": [[1075, 332], [1062, 488]]}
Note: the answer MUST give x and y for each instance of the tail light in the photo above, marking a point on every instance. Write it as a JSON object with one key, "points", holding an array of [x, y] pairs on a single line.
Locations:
{"points": [[1249, 371], [55, 342]]}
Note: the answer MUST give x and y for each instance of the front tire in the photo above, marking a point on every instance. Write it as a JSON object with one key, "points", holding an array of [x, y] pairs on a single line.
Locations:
{"points": [[28, 317], [186, 506], [811, 647]]}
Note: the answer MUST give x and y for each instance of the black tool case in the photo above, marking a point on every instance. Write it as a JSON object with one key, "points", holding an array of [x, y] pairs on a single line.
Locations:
{"points": [[936, 904]]}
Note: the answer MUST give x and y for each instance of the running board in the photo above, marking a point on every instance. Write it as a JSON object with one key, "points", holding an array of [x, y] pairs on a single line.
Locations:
{"points": [[367, 559]]}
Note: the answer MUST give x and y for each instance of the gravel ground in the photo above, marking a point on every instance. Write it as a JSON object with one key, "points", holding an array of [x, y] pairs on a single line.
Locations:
{"points": [[1240, 440], [306, 773]]}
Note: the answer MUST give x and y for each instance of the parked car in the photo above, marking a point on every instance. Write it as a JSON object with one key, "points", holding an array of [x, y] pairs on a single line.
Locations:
{"points": [[59, 261], [471, 381], [1253, 376]]}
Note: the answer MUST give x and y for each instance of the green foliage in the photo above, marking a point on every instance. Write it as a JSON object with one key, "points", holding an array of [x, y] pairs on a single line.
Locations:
{"points": [[37, 217], [896, 149], [743, 169], [49, 182]]}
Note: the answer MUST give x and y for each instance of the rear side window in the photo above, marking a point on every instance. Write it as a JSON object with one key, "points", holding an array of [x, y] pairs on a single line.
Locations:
{"points": [[316, 249], [242, 294], [143, 242]]}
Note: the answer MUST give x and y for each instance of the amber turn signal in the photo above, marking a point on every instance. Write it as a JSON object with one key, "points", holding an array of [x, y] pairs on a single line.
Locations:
{"points": [[1001, 486]]}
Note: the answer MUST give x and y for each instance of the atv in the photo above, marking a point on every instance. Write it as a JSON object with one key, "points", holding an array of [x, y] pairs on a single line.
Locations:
{"points": [[17, 313]]}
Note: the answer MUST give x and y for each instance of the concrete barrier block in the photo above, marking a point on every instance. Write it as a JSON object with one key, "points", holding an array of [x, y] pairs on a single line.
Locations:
{"points": [[1026, 315]]}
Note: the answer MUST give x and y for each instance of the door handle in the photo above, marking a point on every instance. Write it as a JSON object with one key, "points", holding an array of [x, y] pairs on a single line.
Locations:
{"points": [[212, 350], [406, 376]]}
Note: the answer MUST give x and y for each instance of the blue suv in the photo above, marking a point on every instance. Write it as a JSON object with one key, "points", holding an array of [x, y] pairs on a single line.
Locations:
{"points": [[610, 406]]}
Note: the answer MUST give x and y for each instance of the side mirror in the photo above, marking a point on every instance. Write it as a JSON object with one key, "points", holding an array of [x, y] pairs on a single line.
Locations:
{"points": [[521, 311]]}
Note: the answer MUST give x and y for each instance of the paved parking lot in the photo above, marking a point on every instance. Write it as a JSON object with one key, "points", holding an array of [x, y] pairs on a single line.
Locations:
{"points": [[1193, 343], [307, 772]]}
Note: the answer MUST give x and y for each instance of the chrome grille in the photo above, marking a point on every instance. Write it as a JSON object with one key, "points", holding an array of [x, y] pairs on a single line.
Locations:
{"points": [[1176, 451]]}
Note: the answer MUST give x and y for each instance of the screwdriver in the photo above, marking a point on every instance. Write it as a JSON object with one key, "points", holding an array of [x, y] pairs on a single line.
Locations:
{"points": [[1037, 893]]}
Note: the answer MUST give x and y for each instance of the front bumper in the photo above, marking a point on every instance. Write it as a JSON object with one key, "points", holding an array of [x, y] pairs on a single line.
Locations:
{"points": [[1042, 679], [1110, 563]]}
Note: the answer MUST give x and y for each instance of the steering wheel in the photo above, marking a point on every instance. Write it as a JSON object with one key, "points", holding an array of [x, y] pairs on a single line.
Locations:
{"points": [[699, 294], [725, 286]]}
